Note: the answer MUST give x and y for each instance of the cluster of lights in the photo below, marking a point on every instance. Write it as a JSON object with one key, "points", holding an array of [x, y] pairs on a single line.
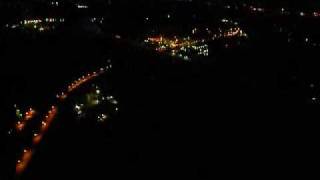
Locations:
{"points": [[102, 118], [179, 47], [285, 11], [282, 11], [40, 25], [79, 109], [54, 20], [24, 118], [97, 97], [256, 9], [82, 6], [309, 14], [97, 20], [314, 14], [93, 99], [232, 32], [112, 100], [55, 3]]}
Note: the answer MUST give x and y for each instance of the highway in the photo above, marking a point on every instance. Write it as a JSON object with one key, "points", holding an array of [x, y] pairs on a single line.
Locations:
{"points": [[28, 152]]}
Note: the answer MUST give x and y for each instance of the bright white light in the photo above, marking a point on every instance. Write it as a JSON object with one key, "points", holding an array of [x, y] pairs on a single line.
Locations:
{"points": [[307, 39], [114, 101], [102, 117], [82, 6]]}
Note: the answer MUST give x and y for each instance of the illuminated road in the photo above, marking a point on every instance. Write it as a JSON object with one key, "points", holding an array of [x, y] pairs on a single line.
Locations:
{"points": [[28, 152]]}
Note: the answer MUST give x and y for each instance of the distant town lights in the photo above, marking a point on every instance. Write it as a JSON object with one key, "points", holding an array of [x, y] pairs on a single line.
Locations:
{"points": [[80, 6]]}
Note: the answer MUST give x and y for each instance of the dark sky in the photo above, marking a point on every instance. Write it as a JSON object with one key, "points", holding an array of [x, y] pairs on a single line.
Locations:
{"points": [[296, 3]]}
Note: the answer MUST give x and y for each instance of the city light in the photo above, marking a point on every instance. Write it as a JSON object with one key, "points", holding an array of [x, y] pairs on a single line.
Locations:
{"points": [[82, 6], [102, 117], [24, 118], [40, 24], [178, 47]]}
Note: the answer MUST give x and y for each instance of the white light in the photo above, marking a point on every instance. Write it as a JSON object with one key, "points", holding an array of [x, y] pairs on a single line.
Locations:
{"points": [[307, 39], [102, 117], [82, 6], [77, 107]]}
